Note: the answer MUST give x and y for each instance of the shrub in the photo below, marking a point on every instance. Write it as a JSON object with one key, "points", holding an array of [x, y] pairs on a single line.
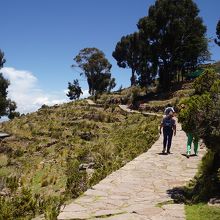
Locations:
{"points": [[12, 183], [204, 82], [51, 207], [26, 204], [202, 113], [44, 183], [76, 180], [201, 117]]}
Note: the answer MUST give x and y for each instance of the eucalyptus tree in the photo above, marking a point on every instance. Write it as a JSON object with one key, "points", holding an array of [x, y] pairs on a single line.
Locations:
{"points": [[2, 59], [96, 68], [217, 40], [127, 54], [176, 35], [7, 106]]}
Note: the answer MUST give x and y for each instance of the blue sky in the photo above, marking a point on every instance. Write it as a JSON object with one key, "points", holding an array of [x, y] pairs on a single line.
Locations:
{"points": [[41, 37]]}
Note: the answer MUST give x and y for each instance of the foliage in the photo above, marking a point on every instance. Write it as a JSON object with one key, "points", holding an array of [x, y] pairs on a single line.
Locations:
{"points": [[21, 206], [206, 183], [7, 107], [51, 207], [3, 95], [24, 205], [132, 52], [2, 59], [12, 183], [216, 66], [204, 82], [202, 212], [96, 68], [127, 141], [217, 40], [76, 179], [74, 90], [11, 110], [171, 41], [176, 35], [53, 140], [201, 117]]}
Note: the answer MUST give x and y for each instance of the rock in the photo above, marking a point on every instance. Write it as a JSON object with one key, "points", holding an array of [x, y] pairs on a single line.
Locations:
{"points": [[87, 136], [85, 166], [214, 202], [5, 192]]}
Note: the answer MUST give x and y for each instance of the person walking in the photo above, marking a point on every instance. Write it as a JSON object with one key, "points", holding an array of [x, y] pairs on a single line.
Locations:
{"points": [[168, 109], [169, 129], [190, 139], [195, 141]]}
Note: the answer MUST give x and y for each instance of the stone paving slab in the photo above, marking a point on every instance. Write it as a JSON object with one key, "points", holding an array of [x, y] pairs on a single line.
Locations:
{"points": [[134, 191]]}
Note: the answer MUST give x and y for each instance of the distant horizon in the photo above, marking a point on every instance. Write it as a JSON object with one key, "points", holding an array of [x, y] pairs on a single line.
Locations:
{"points": [[41, 38]]}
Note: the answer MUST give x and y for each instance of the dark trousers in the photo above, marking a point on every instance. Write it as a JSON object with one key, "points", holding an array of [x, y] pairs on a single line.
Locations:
{"points": [[167, 138]]}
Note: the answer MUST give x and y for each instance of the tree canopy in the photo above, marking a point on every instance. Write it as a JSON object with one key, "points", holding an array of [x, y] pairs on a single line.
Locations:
{"points": [[217, 40], [74, 90], [201, 115], [7, 106], [97, 70], [170, 40], [126, 54], [2, 59], [177, 36]]}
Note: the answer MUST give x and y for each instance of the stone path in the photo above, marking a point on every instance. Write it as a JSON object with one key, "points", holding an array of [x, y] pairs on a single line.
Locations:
{"points": [[137, 190], [125, 108], [90, 102]]}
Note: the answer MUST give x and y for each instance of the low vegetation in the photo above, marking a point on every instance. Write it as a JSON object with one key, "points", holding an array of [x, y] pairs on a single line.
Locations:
{"points": [[202, 212], [58, 152], [201, 118]]}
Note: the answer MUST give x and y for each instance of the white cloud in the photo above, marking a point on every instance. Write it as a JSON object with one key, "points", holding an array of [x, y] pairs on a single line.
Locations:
{"points": [[24, 90], [85, 93]]}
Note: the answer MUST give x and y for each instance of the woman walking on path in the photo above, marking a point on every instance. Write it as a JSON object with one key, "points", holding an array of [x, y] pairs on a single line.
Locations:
{"points": [[190, 138], [169, 129], [195, 141]]}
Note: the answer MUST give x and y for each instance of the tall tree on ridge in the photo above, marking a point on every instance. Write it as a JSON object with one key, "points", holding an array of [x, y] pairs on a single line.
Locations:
{"points": [[126, 54], [177, 35], [7, 106], [2, 59], [217, 40], [97, 70]]}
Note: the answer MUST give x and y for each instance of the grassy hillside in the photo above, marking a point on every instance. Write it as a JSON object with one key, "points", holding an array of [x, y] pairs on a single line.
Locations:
{"points": [[62, 150], [150, 99], [217, 66]]}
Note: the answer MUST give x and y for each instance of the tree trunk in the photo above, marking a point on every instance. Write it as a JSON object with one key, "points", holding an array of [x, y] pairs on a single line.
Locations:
{"points": [[164, 79], [133, 78]]}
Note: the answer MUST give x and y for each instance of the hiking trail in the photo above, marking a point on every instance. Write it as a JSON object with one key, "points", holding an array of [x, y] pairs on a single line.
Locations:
{"points": [[140, 190]]}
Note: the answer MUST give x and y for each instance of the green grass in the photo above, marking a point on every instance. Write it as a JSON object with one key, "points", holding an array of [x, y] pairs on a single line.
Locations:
{"points": [[3, 160], [47, 147], [202, 212]]}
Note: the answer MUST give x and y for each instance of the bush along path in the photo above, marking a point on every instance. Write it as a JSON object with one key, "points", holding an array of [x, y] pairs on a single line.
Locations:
{"points": [[141, 189]]}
